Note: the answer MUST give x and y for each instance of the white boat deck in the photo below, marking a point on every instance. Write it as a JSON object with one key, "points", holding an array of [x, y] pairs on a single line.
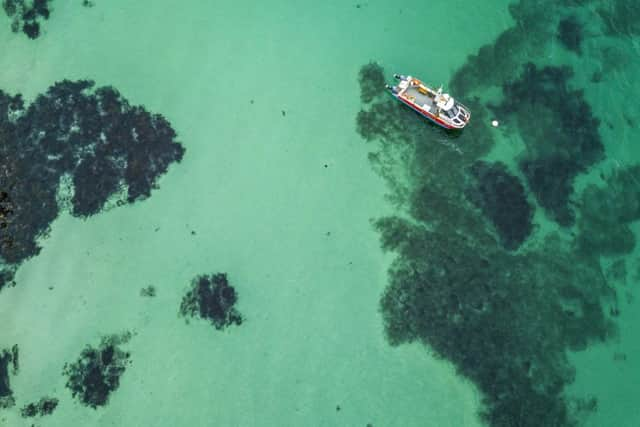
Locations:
{"points": [[426, 102]]}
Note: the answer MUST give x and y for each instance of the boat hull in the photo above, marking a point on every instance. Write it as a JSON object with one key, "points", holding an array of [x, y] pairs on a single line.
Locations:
{"points": [[425, 114], [439, 108]]}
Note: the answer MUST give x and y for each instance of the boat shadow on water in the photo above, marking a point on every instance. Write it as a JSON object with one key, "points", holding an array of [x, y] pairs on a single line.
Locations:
{"points": [[442, 135]]}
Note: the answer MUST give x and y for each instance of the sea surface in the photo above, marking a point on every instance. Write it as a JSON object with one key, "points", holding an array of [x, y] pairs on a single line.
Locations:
{"points": [[257, 235]]}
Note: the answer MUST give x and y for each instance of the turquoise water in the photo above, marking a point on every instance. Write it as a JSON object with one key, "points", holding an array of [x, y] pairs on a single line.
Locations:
{"points": [[379, 270]]}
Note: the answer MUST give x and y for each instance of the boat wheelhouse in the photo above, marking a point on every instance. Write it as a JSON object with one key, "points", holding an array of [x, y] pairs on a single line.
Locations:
{"points": [[436, 106]]}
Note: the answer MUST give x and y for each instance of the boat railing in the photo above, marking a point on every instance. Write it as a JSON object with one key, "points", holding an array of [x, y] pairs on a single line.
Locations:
{"points": [[462, 105]]}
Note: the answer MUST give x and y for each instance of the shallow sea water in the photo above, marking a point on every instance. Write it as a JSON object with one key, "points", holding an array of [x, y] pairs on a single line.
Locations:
{"points": [[277, 190]]}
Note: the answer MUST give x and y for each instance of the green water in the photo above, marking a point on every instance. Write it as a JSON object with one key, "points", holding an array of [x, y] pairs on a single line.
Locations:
{"points": [[276, 189]]}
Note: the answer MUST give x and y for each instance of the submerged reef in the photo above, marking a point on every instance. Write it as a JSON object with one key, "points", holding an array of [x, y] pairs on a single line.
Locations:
{"points": [[96, 374], [503, 200], [45, 406], [26, 15], [505, 320], [8, 365], [75, 146], [213, 299]]}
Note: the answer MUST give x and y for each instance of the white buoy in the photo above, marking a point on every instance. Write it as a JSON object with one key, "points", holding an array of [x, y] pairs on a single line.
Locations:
{"points": [[495, 123]]}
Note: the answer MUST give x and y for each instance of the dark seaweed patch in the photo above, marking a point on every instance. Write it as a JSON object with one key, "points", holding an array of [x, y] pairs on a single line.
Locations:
{"points": [[26, 15], [6, 209], [149, 291], [6, 278], [94, 180], [93, 139], [30, 410], [7, 358], [603, 226], [617, 272], [503, 200], [371, 82], [555, 122], [15, 361], [570, 34], [505, 320], [45, 406], [499, 62], [213, 299], [620, 17], [562, 141], [550, 180], [96, 374]]}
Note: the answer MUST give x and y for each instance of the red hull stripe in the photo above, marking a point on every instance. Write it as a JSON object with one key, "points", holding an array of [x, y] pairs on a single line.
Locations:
{"points": [[425, 113]]}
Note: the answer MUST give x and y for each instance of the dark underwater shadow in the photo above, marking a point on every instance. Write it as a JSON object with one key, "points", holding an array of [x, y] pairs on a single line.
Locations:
{"points": [[468, 281]]}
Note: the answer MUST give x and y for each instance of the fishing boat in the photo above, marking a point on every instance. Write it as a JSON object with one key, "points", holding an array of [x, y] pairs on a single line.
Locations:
{"points": [[436, 106]]}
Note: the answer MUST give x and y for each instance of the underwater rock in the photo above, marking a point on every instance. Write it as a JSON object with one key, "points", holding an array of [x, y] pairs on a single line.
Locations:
{"points": [[96, 374], [503, 200], [26, 15], [45, 406], [91, 139], [213, 299]]}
